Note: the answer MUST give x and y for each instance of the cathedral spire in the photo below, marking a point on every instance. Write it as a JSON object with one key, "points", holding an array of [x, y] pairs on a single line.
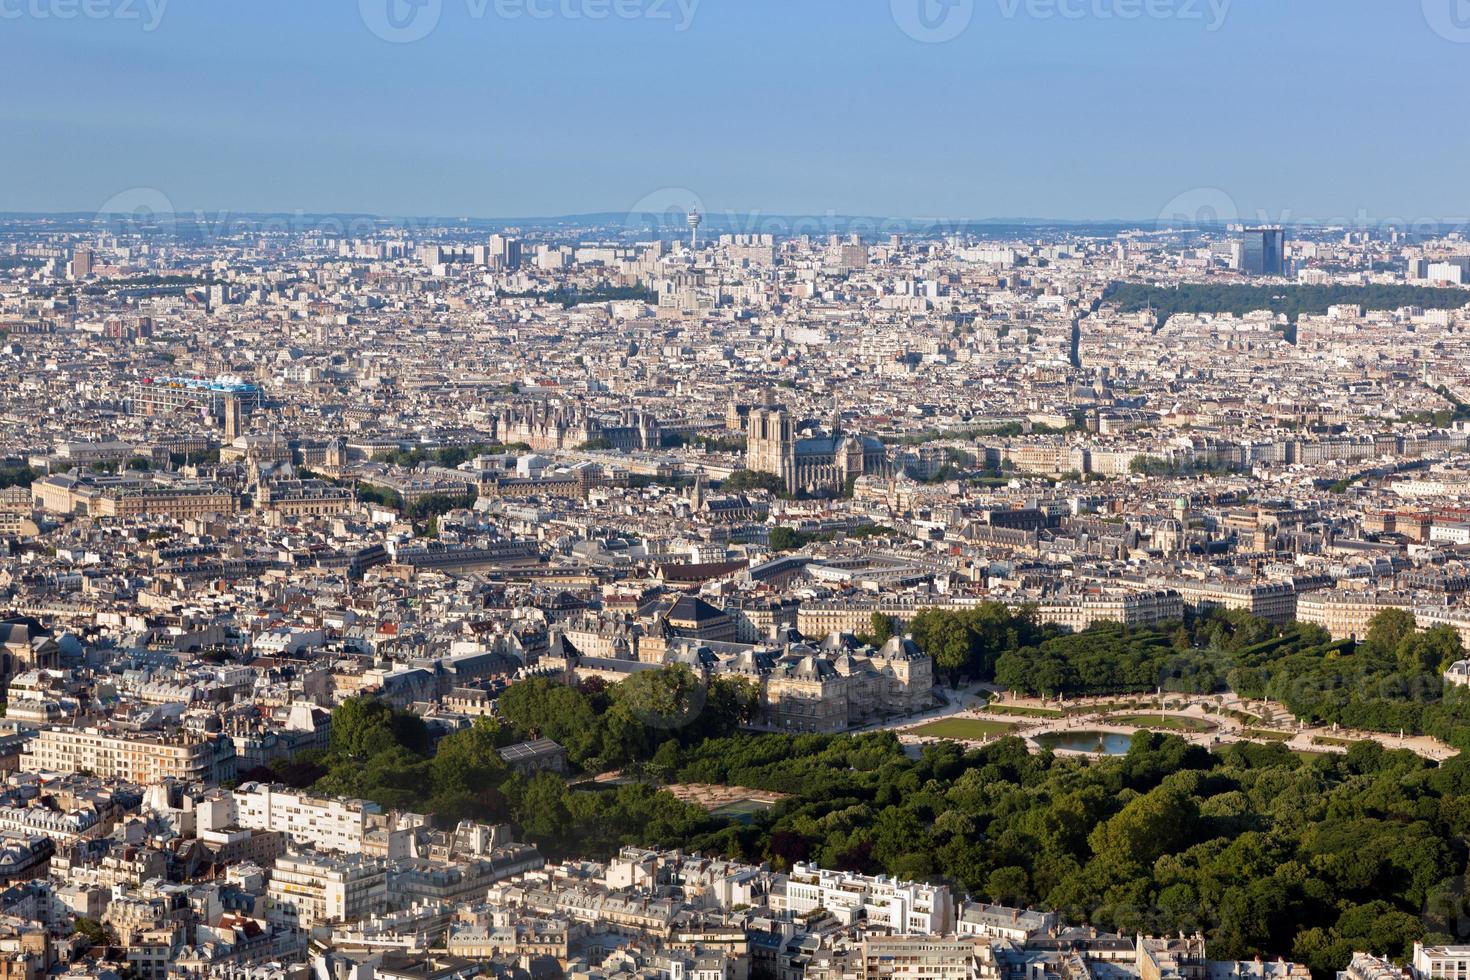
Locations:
{"points": [[696, 499]]}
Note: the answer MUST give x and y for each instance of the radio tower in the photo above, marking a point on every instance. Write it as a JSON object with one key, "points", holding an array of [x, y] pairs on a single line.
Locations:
{"points": [[695, 219]]}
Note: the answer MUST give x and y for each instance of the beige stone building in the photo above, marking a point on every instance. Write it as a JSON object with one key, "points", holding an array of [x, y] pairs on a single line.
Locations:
{"points": [[131, 498], [303, 498], [1273, 601], [147, 758], [815, 462], [1128, 608], [1346, 615], [802, 688], [838, 686]]}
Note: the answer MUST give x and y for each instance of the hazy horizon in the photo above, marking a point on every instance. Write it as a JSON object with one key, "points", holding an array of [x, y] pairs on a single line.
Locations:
{"points": [[1076, 110]]}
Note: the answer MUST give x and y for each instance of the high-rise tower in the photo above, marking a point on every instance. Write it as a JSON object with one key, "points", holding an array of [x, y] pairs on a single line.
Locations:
{"points": [[233, 423], [695, 220], [1263, 251]]}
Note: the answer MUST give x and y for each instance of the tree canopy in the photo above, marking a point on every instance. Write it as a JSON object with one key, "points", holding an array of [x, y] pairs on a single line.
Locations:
{"points": [[1268, 853], [968, 642], [1292, 300], [384, 755]]}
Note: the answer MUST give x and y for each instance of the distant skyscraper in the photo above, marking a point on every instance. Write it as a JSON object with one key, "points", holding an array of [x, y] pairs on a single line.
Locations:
{"points": [[81, 262], [1447, 271], [1263, 251], [695, 219], [506, 252]]}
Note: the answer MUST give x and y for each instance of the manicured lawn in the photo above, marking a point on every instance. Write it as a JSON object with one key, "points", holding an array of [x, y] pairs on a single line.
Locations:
{"points": [[1104, 708], [1171, 723], [742, 809], [1270, 736], [1016, 709], [1346, 743], [964, 729]]}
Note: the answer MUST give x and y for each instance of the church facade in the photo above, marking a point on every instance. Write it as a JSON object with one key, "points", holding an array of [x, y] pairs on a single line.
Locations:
{"points": [[544, 426], [823, 461]]}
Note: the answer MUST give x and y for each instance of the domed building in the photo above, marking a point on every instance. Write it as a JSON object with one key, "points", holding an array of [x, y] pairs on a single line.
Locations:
{"points": [[26, 645]]}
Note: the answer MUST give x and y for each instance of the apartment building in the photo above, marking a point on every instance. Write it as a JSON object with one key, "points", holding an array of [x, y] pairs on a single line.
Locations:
{"points": [[308, 891], [318, 822], [1346, 615], [903, 906], [56, 825], [1129, 608], [978, 919], [821, 618], [130, 498], [1441, 962], [1366, 966], [923, 958], [146, 758], [1050, 458], [1428, 617], [424, 881], [1272, 601]]}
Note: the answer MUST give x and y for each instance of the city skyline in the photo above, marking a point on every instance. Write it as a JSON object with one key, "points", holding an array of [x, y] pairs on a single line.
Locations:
{"points": [[1203, 219], [734, 490]]}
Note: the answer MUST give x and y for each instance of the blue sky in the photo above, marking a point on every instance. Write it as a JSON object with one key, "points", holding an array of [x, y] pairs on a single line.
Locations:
{"points": [[1294, 108]]}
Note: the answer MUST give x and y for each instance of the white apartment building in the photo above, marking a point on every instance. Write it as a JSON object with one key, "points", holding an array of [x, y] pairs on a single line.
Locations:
{"points": [[1450, 532], [1441, 962], [1458, 673], [925, 958], [1348, 615], [1436, 483], [903, 906], [61, 827], [1002, 922], [1428, 617], [318, 822], [308, 891], [1446, 272]]}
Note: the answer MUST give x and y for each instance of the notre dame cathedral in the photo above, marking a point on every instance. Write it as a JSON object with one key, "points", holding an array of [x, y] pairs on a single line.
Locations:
{"points": [[805, 457]]}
